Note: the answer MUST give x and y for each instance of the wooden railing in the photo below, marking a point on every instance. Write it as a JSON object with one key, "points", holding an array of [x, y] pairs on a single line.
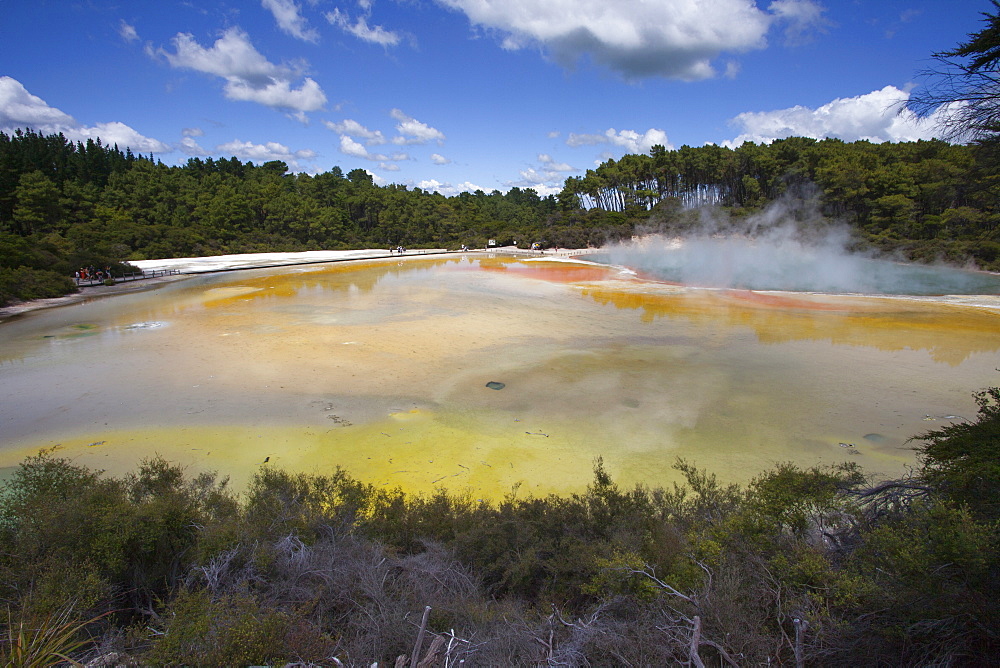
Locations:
{"points": [[128, 276], [548, 252]]}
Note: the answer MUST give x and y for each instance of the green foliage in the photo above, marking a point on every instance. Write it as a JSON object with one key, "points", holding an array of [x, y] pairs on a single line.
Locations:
{"points": [[789, 499], [37, 210], [964, 84], [18, 251], [892, 194], [620, 575], [934, 538], [22, 284], [281, 502], [42, 643], [76, 205], [303, 567], [962, 460], [75, 535], [231, 631], [933, 582]]}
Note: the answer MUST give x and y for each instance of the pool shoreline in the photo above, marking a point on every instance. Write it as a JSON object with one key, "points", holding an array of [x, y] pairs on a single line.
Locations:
{"points": [[240, 263], [383, 366]]}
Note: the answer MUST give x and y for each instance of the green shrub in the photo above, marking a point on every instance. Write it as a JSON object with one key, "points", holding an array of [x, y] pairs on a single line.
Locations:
{"points": [[962, 460], [45, 642], [229, 631], [23, 283], [304, 566]]}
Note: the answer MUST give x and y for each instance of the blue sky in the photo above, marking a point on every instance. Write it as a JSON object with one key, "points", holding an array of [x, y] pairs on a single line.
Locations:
{"points": [[455, 95]]}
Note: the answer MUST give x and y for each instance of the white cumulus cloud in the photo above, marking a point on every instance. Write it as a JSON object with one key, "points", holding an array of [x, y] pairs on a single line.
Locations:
{"points": [[537, 182], [279, 94], [432, 184], [249, 75], [290, 20], [530, 177], [127, 32], [357, 150], [439, 159], [189, 146], [265, 152], [448, 189], [360, 28], [553, 166], [118, 133], [639, 38], [354, 129], [412, 131], [801, 18], [546, 178], [874, 117], [630, 140], [21, 109]]}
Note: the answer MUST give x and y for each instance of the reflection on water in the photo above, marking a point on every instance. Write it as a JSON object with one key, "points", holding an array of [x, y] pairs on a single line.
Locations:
{"points": [[950, 335], [383, 367]]}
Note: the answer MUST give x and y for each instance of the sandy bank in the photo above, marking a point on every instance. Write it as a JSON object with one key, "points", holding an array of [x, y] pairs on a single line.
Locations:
{"points": [[86, 293], [202, 265], [188, 266], [197, 265]]}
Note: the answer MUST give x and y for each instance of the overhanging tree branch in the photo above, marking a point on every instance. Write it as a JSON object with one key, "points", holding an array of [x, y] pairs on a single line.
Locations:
{"points": [[963, 92]]}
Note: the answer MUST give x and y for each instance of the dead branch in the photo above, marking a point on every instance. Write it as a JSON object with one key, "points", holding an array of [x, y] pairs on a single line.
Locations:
{"points": [[722, 652], [800, 630], [648, 572], [415, 657], [695, 643], [889, 485], [433, 653]]}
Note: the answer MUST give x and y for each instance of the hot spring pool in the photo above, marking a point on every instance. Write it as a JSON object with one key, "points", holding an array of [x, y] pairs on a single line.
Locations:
{"points": [[787, 265], [383, 367]]}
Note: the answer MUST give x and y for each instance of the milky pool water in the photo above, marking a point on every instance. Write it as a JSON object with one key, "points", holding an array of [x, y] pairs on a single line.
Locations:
{"points": [[382, 367], [778, 261]]}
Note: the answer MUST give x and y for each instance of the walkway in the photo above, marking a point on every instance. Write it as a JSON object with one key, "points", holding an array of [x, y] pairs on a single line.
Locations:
{"points": [[131, 276]]}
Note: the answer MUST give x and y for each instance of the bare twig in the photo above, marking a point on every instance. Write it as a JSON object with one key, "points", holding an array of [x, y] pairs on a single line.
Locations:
{"points": [[695, 643], [415, 657], [648, 572]]}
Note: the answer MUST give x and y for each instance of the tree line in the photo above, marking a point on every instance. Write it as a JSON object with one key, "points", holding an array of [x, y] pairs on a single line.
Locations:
{"points": [[817, 566], [64, 205], [911, 194]]}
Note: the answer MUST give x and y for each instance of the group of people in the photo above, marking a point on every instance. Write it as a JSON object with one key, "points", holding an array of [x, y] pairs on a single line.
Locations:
{"points": [[92, 274]]}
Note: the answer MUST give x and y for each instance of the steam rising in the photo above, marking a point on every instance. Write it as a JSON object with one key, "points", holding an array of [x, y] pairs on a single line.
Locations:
{"points": [[787, 247]]}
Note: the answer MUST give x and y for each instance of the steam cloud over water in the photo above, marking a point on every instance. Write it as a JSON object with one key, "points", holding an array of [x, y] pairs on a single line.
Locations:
{"points": [[777, 250]]}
